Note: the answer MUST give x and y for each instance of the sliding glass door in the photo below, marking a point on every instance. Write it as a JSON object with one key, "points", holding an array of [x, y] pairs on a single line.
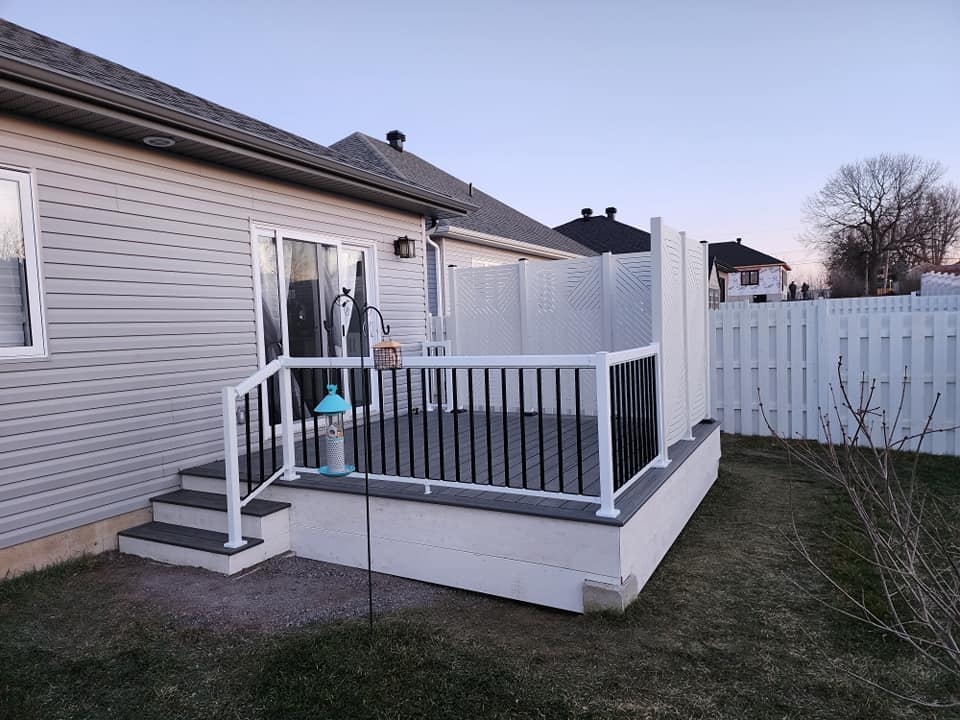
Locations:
{"points": [[297, 318]]}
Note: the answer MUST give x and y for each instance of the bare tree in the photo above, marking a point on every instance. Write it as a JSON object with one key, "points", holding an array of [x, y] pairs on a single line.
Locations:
{"points": [[937, 225], [912, 538], [869, 209]]}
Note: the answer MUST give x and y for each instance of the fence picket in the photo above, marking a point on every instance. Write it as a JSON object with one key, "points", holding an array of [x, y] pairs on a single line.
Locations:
{"points": [[790, 351]]}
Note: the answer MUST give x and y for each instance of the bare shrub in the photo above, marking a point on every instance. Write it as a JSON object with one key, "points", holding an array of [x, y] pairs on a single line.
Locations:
{"points": [[911, 538]]}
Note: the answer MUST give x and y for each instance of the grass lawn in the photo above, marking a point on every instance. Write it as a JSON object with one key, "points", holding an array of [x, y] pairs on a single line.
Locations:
{"points": [[721, 631]]}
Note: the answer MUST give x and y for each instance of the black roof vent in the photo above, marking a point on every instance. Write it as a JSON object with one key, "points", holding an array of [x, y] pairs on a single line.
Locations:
{"points": [[611, 212], [586, 212], [396, 139], [739, 240]]}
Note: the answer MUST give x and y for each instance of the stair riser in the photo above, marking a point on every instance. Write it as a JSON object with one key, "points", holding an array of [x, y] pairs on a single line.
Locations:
{"points": [[188, 557], [204, 484], [272, 525]]}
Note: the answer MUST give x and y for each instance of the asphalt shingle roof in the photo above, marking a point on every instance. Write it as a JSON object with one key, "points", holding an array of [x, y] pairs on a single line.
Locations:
{"points": [[491, 217], [30, 47], [734, 254], [602, 234]]}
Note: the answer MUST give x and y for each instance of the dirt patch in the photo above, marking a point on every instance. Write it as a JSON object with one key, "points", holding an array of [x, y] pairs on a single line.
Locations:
{"points": [[283, 593]]}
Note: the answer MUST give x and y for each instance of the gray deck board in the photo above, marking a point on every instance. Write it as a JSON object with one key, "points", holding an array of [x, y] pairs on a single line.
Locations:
{"points": [[506, 466]]}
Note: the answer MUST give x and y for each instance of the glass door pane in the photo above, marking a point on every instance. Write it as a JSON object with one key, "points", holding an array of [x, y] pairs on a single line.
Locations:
{"points": [[311, 275]]}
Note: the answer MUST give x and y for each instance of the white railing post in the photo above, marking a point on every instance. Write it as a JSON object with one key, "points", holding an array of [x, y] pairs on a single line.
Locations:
{"points": [[663, 458], [286, 419], [605, 437], [232, 469]]}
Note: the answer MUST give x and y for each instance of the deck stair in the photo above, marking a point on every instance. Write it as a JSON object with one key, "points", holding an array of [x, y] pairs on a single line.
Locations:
{"points": [[189, 528]]}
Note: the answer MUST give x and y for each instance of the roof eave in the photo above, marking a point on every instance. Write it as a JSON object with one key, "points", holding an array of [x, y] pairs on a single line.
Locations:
{"points": [[446, 230], [28, 76]]}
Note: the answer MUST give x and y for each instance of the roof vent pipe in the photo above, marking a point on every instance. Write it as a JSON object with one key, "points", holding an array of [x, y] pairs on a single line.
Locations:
{"points": [[586, 212], [611, 212], [396, 140], [739, 240]]}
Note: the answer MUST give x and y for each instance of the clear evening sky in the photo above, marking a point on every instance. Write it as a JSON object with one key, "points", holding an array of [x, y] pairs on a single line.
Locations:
{"points": [[720, 116]]}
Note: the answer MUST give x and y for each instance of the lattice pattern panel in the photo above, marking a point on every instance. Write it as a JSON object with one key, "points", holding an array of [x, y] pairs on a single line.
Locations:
{"points": [[564, 302], [672, 341], [486, 308], [632, 310]]}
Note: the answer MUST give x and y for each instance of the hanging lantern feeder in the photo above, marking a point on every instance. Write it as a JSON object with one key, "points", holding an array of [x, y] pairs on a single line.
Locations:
{"points": [[333, 408], [387, 355]]}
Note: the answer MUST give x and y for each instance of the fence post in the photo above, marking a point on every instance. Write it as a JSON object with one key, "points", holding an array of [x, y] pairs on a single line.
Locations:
{"points": [[663, 456], [605, 437], [286, 419], [232, 469], [707, 330]]}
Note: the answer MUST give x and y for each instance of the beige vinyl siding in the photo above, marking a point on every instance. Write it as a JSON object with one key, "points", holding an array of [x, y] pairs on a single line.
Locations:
{"points": [[148, 287]]}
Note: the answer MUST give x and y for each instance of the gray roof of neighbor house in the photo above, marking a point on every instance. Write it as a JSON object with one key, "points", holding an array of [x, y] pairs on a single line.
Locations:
{"points": [[492, 217], [735, 254], [32, 65], [606, 234]]}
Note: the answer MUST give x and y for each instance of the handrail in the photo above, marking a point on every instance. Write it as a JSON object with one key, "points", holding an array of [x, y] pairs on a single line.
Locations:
{"points": [[630, 439], [457, 362]]}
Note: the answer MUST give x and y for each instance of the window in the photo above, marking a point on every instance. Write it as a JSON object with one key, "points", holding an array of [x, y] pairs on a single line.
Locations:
{"points": [[21, 321], [750, 277]]}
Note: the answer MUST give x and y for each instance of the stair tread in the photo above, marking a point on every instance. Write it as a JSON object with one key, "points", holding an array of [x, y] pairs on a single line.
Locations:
{"points": [[214, 501], [187, 537]]}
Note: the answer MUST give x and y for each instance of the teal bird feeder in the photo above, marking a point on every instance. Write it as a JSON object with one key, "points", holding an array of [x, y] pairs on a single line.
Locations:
{"points": [[333, 408]]}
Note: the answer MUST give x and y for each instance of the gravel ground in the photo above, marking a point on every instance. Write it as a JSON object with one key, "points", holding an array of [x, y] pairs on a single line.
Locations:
{"points": [[282, 593]]}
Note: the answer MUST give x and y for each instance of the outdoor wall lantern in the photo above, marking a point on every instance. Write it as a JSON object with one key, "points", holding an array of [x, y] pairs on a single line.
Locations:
{"points": [[387, 355], [404, 247], [333, 407]]}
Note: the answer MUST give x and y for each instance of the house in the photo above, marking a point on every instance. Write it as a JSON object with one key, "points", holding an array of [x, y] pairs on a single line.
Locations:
{"points": [[492, 234], [605, 233], [747, 275], [173, 314]]}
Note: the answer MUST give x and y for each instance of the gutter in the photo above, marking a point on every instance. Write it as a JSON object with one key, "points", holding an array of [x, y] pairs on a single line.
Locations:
{"points": [[445, 230], [57, 86]]}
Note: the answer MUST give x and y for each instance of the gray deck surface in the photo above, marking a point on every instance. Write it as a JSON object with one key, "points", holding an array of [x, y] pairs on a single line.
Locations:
{"points": [[498, 468]]}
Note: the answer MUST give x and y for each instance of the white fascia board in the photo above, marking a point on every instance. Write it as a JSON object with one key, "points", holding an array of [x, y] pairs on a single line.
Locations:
{"points": [[455, 233]]}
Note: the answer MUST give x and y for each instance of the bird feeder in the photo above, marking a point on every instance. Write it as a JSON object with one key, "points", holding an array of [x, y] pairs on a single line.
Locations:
{"points": [[333, 408], [387, 355]]}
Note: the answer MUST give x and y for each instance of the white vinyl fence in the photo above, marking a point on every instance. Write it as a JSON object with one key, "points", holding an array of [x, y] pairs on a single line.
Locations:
{"points": [[592, 304], [786, 353]]}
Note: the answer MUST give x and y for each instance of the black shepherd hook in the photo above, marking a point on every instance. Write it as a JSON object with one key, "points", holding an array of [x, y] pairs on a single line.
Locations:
{"points": [[364, 318], [342, 299]]}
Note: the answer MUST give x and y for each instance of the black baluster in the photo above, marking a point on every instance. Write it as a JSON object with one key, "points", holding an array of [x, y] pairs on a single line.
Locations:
{"points": [[353, 410], [523, 429], [396, 421], [443, 464], [543, 469], [426, 429], [506, 429], [576, 390], [383, 442], [456, 425], [318, 392], [303, 415], [260, 418], [473, 440], [273, 429], [246, 411], [486, 392], [413, 462], [559, 434]]}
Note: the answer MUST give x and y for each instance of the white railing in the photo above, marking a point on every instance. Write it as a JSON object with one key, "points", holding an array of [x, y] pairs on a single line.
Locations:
{"points": [[619, 399]]}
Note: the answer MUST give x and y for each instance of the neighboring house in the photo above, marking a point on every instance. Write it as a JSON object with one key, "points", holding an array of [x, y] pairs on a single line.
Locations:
{"points": [[940, 279], [605, 233], [747, 275], [492, 234], [171, 318]]}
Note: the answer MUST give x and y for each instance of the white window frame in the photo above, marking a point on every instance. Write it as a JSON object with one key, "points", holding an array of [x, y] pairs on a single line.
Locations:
{"points": [[29, 218]]}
